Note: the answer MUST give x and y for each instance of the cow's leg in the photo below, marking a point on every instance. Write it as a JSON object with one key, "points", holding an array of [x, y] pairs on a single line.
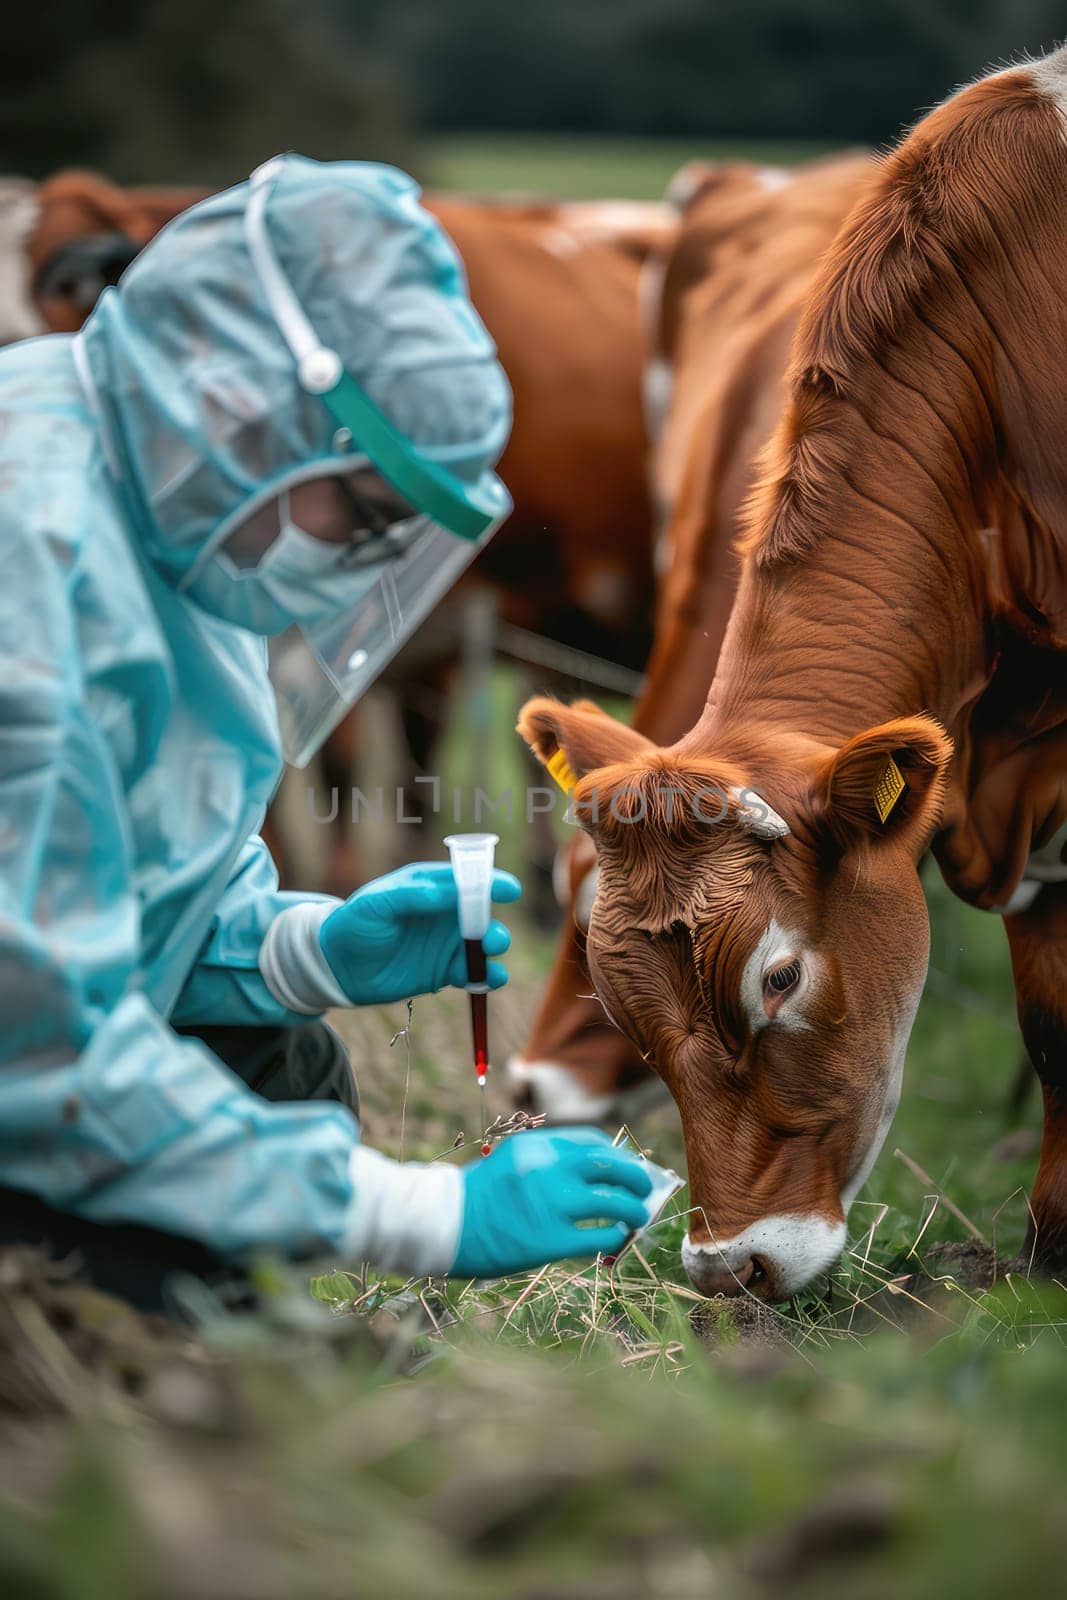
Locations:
{"points": [[1038, 939]]}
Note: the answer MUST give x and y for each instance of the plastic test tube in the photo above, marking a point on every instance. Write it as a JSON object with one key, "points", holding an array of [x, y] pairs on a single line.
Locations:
{"points": [[472, 867]]}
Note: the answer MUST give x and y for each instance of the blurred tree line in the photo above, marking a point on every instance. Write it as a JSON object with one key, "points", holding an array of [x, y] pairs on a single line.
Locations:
{"points": [[826, 69], [192, 89]]}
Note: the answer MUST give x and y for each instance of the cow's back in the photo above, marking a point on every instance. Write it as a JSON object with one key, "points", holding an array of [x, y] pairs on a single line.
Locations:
{"points": [[560, 296], [748, 247]]}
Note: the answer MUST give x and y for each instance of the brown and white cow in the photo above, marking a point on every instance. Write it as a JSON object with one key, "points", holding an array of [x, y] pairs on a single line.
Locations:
{"points": [[731, 288], [894, 675]]}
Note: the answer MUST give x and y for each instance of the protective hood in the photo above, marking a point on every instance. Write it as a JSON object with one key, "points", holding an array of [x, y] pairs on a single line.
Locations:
{"points": [[206, 410]]}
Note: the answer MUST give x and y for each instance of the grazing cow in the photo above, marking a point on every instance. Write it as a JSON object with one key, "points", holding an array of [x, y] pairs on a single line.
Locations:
{"points": [[732, 285], [894, 675]]}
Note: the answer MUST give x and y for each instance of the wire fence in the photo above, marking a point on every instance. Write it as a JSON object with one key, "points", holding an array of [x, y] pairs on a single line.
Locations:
{"points": [[564, 661]]}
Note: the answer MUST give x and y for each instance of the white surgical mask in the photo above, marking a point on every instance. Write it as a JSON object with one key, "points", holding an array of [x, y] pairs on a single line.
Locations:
{"points": [[299, 579]]}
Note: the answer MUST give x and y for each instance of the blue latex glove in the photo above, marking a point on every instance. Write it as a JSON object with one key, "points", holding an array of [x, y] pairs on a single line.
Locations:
{"points": [[522, 1203], [398, 936]]}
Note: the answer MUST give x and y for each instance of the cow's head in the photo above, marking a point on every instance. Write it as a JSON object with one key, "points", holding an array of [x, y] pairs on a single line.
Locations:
{"points": [[759, 932]]}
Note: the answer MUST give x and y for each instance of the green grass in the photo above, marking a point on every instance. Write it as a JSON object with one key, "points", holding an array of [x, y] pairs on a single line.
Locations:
{"points": [[572, 167]]}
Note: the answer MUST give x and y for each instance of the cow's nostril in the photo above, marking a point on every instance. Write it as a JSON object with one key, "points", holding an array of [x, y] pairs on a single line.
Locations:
{"points": [[713, 1276], [731, 1270], [744, 1274]]}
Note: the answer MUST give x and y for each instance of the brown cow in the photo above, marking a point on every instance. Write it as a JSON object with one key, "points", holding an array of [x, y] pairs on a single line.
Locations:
{"points": [[733, 283], [895, 673]]}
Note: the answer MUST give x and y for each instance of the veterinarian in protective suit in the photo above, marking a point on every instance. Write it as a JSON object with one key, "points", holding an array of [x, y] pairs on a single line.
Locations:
{"points": [[281, 426]]}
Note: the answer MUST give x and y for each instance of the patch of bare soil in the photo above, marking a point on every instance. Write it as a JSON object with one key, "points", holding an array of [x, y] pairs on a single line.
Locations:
{"points": [[971, 1263], [938, 1291], [720, 1322], [69, 1350]]}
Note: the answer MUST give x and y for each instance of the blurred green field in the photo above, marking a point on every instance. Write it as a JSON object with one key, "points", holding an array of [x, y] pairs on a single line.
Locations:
{"points": [[587, 168], [572, 1434]]}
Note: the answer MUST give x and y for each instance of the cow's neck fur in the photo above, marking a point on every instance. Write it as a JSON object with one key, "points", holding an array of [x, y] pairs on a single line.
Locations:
{"points": [[908, 545]]}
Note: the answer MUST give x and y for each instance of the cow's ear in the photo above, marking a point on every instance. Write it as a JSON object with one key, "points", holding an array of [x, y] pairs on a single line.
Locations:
{"points": [[887, 783], [574, 740]]}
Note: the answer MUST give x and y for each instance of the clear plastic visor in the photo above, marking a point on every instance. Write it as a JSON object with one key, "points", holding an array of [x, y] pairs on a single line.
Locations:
{"points": [[319, 671]]}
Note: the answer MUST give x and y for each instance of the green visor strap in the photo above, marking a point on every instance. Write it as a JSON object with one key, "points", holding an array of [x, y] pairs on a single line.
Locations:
{"points": [[464, 509]]}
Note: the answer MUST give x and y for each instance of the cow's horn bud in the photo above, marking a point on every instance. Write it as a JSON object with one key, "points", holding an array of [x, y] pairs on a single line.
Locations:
{"points": [[757, 817]]}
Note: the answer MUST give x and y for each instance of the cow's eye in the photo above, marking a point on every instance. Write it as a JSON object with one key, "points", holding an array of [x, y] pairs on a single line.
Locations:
{"points": [[784, 978]]}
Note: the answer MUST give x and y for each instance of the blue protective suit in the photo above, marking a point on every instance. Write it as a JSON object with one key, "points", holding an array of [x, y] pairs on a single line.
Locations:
{"points": [[138, 732]]}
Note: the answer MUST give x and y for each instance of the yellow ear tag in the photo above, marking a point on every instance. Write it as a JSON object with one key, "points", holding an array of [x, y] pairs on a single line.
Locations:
{"points": [[562, 771], [888, 790]]}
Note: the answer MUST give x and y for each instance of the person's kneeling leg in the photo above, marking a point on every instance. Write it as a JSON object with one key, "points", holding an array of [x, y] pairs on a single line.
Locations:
{"points": [[305, 1062]]}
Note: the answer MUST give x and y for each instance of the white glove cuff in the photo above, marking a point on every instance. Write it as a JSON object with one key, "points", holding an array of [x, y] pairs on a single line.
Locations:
{"points": [[292, 963], [404, 1217]]}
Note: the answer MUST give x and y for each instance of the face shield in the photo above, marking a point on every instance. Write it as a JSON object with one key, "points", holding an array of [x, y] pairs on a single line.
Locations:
{"points": [[320, 670], [341, 601]]}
